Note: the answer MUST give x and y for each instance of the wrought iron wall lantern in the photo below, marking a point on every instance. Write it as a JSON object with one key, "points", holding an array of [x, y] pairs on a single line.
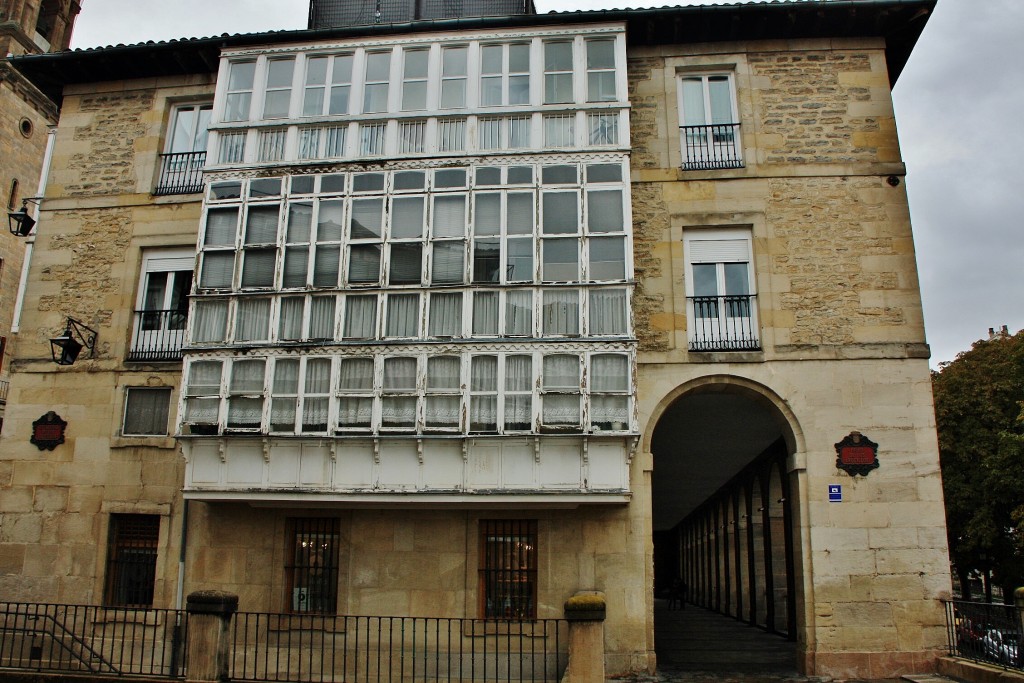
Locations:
{"points": [[76, 337], [20, 222]]}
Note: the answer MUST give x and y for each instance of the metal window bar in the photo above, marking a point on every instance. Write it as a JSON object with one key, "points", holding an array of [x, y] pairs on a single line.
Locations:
{"points": [[314, 566], [181, 173], [985, 632], [364, 649], [723, 323], [508, 571], [131, 559], [159, 335], [711, 147], [93, 640], [5, 387]]}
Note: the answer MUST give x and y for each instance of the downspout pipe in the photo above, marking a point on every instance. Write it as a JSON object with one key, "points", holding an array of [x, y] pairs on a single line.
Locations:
{"points": [[44, 177]]}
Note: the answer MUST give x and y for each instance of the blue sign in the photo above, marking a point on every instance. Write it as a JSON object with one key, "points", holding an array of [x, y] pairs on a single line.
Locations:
{"points": [[835, 493]]}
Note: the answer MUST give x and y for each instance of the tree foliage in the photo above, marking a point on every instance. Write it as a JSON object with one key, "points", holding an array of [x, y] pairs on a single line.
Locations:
{"points": [[978, 411]]}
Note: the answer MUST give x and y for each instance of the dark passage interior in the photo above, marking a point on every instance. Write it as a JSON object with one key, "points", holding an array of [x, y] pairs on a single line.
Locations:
{"points": [[723, 535]]}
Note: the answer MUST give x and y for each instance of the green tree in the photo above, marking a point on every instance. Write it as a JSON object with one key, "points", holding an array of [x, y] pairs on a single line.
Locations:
{"points": [[978, 410]]}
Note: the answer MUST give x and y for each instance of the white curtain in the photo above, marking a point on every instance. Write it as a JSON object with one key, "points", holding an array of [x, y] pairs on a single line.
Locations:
{"points": [[519, 132], [246, 378], [483, 409], [318, 381], [399, 374], [286, 381], [360, 317], [398, 411], [335, 135], [403, 315], [211, 319], [607, 311], [561, 372], [489, 129], [321, 317], [290, 318], [252, 320], [356, 374], [443, 372], [609, 412], [485, 313], [518, 379], [560, 130], [442, 411], [609, 372], [446, 315], [204, 378], [561, 311], [355, 411], [519, 313], [561, 409], [451, 135]]}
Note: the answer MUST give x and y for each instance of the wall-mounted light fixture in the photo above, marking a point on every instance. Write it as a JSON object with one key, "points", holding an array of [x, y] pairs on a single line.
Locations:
{"points": [[20, 222], [67, 346]]}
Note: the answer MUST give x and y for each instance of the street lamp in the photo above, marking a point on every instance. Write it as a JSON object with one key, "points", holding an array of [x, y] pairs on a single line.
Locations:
{"points": [[20, 222], [67, 346]]}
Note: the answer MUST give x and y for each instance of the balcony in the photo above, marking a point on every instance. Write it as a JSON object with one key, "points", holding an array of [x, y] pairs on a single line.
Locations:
{"points": [[537, 470], [158, 335], [711, 147], [723, 323], [181, 173]]}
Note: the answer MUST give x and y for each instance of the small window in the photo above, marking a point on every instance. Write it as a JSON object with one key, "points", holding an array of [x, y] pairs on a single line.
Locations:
{"points": [[312, 570], [145, 411], [508, 569], [131, 560]]}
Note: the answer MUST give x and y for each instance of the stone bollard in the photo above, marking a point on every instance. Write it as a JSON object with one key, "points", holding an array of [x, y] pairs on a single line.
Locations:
{"points": [[585, 613], [209, 635]]}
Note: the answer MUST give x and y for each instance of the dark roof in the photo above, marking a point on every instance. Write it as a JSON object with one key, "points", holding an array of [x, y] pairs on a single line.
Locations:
{"points": [[899, 22]]}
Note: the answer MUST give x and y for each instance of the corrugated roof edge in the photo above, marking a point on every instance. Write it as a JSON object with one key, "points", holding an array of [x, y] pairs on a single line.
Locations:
{"points": [[50, 72]]}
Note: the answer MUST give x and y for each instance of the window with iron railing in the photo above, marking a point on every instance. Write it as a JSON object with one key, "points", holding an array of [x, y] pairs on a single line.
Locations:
{"points": [[709, 132], [312, 572], [721, 302], [181, 166], [508, 569], [158, 333], [131, 560]]}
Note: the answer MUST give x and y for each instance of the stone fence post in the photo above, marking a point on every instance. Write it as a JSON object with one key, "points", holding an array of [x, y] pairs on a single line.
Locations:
{"points": [[585, 613], [209, 635]]}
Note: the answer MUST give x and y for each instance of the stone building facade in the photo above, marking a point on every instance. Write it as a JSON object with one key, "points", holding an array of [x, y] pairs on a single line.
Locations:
{"points": [[720, 289], [25, 118]]}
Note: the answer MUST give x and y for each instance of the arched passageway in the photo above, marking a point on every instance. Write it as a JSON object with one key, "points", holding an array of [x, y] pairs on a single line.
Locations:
{"points": [[723, 512]]}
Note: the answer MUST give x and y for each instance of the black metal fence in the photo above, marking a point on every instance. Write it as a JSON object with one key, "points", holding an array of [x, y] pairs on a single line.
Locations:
{"points": [[711, 147], [984, 632], [181, 173], [158, 335], [723, 323], [91, 639], [361, 649]]}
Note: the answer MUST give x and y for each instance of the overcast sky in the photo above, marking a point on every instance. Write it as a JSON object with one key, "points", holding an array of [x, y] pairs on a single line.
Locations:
{"points": [[957, 106]]}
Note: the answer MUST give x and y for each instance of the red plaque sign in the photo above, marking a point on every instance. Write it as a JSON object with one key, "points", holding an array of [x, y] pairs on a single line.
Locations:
{"points": [[48, 431], [857, 454]]}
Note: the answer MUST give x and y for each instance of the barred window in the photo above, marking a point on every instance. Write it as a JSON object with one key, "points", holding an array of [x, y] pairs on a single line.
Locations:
{"points": [[312, 573], [508, 569], [131, 560]]}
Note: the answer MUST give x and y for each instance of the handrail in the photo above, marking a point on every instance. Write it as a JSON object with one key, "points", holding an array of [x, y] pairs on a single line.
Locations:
{"points": [[65, 633]]}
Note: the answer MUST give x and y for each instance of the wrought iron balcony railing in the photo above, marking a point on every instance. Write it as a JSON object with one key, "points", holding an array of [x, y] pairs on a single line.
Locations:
{"points": [[723, 323], [711, 147], [181, 173], [158, 335]]}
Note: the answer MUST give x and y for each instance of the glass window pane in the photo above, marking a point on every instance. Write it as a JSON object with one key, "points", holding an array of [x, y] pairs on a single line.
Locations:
{"points": [[560, 409], [443, 372], [261, 225], [607, 311], [327, 265], [407, 217], [487, 213], [561, 261], [258, 267], [446, 315], [485, 313], [218, 267], [519, 214], [705, 279], [519, 267], [328, 227], [355, 374], [604, 211], [399, 374], [600, 54], [449, 216], [364, 263], [403, 315], [221, 225], [367, 215], [321, 317], [561, 312], [486, 261], [736, 280], [561, 372], [519, 313], [609, 372], [406, 266], [484, 373], [607, 258], [448, 263], [561, 212]]}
